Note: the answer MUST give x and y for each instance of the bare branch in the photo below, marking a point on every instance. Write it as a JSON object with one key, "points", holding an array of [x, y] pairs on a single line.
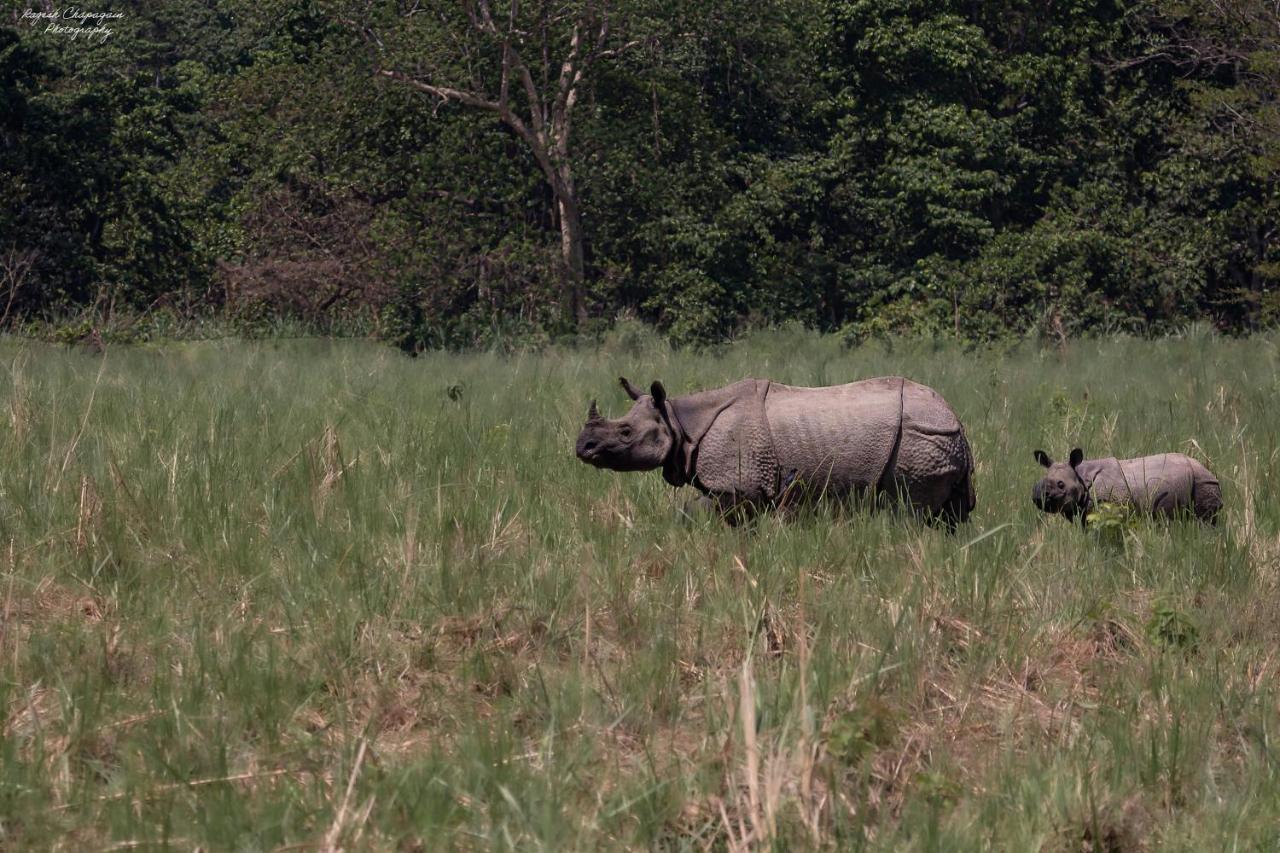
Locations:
{"points": [[570, 63], [481, 15], [570, 74], [16, 265], [366, 33], [537, 108], [573, 70], [537, 144], [504, 87], [603, 35], [616, 51], [444, 93]]}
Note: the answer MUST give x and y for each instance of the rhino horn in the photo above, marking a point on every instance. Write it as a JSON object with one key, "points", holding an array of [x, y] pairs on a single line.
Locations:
{"points": [[593, 414]]}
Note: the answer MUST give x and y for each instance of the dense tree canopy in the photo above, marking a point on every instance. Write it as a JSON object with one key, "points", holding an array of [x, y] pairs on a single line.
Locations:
{"points": [[444, 172]]}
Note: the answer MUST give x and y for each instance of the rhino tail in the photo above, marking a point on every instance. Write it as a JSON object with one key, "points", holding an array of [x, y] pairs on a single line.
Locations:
{"points": [[963, 498]]}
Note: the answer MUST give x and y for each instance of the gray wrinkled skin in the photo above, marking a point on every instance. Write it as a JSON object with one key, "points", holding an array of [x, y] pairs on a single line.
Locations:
{"points": [[638, 441], [1165, 484], [758, 443]]}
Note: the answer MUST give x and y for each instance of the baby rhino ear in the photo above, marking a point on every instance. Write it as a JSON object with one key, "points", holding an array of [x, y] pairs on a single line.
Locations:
{"points": [[1042, 458], [1077, 456], [658, 392]]}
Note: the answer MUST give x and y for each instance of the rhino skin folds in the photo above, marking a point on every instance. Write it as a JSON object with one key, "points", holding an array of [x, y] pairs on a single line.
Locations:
{"points": [[1163, 484], [756, 443]]}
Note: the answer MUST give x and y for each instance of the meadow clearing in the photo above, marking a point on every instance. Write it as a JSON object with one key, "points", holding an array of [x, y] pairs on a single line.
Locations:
{"points": [[317, 594]]}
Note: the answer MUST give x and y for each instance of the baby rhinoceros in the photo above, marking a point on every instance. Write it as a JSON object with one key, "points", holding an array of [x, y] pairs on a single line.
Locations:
{"points": [[756, 444], [1162, 485]]}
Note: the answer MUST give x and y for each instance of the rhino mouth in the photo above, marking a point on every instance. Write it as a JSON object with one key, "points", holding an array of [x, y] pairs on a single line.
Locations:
{"points": [[1056, 504], [589, 451], [602, 455], [1051, 502], [594, 460]]}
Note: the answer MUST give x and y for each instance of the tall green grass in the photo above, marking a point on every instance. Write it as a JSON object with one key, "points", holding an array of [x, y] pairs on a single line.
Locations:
{"points": [[261, 595]]}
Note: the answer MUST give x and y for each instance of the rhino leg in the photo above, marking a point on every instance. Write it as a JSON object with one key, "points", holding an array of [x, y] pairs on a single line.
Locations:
{"points": [[932, 474], [731, 508], [960, 502], [1164, 503], [697, 509]]}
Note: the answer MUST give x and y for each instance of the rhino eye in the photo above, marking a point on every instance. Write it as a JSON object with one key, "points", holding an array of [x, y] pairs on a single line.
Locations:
{"points": [[1061, 485], [625, 431]]}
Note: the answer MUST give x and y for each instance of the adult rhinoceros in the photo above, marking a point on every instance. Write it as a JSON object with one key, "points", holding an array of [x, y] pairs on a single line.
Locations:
{"points": [[750, 444]]}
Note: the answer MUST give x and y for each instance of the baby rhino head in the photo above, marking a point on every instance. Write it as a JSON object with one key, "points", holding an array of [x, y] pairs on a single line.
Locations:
{"points": [[1061, 490], [640, 440]]}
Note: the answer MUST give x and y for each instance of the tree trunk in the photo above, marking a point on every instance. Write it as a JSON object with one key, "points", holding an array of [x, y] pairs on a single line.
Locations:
{"points": [[571, 255], [546, 130]]}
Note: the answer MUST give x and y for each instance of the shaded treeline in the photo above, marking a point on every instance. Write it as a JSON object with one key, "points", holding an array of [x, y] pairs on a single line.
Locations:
{"points": [[444, 173]]}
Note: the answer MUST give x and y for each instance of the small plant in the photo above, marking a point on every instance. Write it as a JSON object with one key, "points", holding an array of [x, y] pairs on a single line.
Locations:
{"points": [[1072, 413], [1106, 629], [858, 732], [71, 332], [937, 788], [1110, 522], [1172, 628]]}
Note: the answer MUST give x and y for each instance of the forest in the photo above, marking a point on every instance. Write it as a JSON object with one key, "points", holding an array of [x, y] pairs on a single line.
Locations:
{"points": [[458, 174]]}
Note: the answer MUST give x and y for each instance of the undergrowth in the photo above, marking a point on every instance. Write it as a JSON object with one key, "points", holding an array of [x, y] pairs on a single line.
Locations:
{"points": [[305, 593]]}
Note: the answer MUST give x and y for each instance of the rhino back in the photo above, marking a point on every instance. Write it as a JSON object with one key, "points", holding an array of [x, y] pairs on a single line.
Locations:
{"points": [[924, 411], [1200, 472], [1162, 481], [737, 454], [840, 436], [1105, 479]]}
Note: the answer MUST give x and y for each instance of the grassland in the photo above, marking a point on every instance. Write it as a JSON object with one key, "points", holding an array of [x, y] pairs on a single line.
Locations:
{"points": [[322, 595]]}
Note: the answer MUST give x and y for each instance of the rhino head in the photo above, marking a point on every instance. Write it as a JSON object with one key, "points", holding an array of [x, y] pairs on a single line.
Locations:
{"points": [[1061, 490], [640, 440]]}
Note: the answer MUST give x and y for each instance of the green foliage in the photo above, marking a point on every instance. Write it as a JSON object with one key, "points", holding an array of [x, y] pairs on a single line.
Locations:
{"points": [[856, 733], [941, 168], [1110, 522], [87, 165], [938, 789], [1172, 628]]}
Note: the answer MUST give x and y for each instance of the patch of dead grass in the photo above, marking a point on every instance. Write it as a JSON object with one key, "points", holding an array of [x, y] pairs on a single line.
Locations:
{"points": [[969, 724], [1112, 826], [27, 605]]}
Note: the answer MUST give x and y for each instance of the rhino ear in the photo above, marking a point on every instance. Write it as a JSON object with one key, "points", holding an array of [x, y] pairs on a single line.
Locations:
{"points": [[632, 391], [659, 393], [1077, 456], [1042, 458]]}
